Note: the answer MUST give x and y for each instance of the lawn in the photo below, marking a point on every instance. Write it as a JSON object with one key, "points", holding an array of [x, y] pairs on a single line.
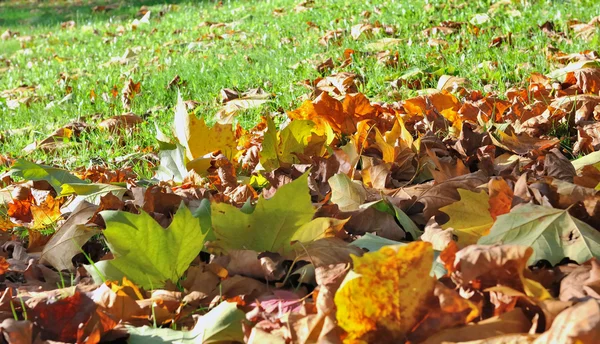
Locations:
{"points": [[76, 57], [300, 172]]}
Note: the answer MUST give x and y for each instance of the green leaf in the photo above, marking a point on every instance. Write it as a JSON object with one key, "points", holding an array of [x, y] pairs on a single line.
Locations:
{"points": [[372, 242], [273, 224], [222, 324], [346, 193], [32, 171], [146, 253], [92, 192], [280, 148], [552, 233]]}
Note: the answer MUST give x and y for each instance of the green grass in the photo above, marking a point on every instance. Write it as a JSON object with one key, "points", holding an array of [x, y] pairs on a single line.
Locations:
{"points": [[259, 53]]}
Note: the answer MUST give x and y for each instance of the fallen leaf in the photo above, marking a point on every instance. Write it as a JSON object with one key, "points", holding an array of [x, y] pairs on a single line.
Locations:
{"points": [[198, 139], [69, 238], [385, 312], [577, 324], [552, 233], [145, 252], [470, 217], [273, 224], [222, 324], [346, 193], [31, 171]]}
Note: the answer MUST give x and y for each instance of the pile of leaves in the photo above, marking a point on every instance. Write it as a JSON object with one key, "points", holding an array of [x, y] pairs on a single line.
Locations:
{"points": [[453, 216]]}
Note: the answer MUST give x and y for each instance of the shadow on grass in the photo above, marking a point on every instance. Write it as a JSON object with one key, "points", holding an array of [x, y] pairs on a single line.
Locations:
{"points": [[15, 14]]}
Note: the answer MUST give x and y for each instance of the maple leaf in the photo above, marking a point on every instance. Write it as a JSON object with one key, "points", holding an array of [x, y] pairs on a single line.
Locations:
{"points": [[470, 217], [146, 253], [552, 233], [341, 117], [198, 139], [398, 284], [346, 193], [31, 171], [47, 213], [3, 265], [280, 148], [222, 324], [273, 224]]}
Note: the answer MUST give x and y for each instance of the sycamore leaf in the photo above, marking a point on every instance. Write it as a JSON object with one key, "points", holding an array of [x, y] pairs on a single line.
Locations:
{"points": [[398, 284], [552, 233], [198, 139], [274, 224], [346, 193], [280, 148], [590, 159], [146, 253], [47, 213], [92, 192], [470, 217], [172, 164], [68, 239], [222, 324], [31, 171]]}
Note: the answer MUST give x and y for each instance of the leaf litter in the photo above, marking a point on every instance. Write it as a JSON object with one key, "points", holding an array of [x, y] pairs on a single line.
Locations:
{"points": [[452, 216]]}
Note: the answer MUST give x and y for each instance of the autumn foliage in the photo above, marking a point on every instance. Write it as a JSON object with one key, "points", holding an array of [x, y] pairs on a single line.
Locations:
{"points": [[452, 216]]}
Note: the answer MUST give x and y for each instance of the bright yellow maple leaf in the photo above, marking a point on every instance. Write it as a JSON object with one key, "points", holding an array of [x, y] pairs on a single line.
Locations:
{"points": [[386, 293], [47, 213], [199, 139], [470, 217]]}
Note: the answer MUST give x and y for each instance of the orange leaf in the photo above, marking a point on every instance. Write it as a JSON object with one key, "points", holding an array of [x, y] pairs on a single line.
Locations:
{"points": [[501, 196], [3, 265], [386, 293]]}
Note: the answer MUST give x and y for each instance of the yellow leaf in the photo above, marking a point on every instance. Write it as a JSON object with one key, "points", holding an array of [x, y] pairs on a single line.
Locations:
{"points": [[387, 149], [386, 293], [470, 217], [198, 139], [46, 214]]}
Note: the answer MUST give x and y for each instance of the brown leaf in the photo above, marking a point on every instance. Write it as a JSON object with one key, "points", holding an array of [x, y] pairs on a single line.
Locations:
{"points": [[514, 321], [577, 324], [73, 318], [501, 197], [121, 122], [129, 91], [588, 139], [522, 143], [252, 264], [328, 251], [480, 267], [557, 166], [17, 332], [581, 283], [430, 198]]}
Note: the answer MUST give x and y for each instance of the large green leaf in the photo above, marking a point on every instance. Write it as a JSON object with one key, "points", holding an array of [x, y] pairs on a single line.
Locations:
{"points": [[273, 224], [32, 171], [221, 324], [552, 233], [145, 252]]}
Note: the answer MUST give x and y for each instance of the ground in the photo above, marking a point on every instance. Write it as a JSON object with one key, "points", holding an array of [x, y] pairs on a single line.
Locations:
{"points": [[74, 47]]}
